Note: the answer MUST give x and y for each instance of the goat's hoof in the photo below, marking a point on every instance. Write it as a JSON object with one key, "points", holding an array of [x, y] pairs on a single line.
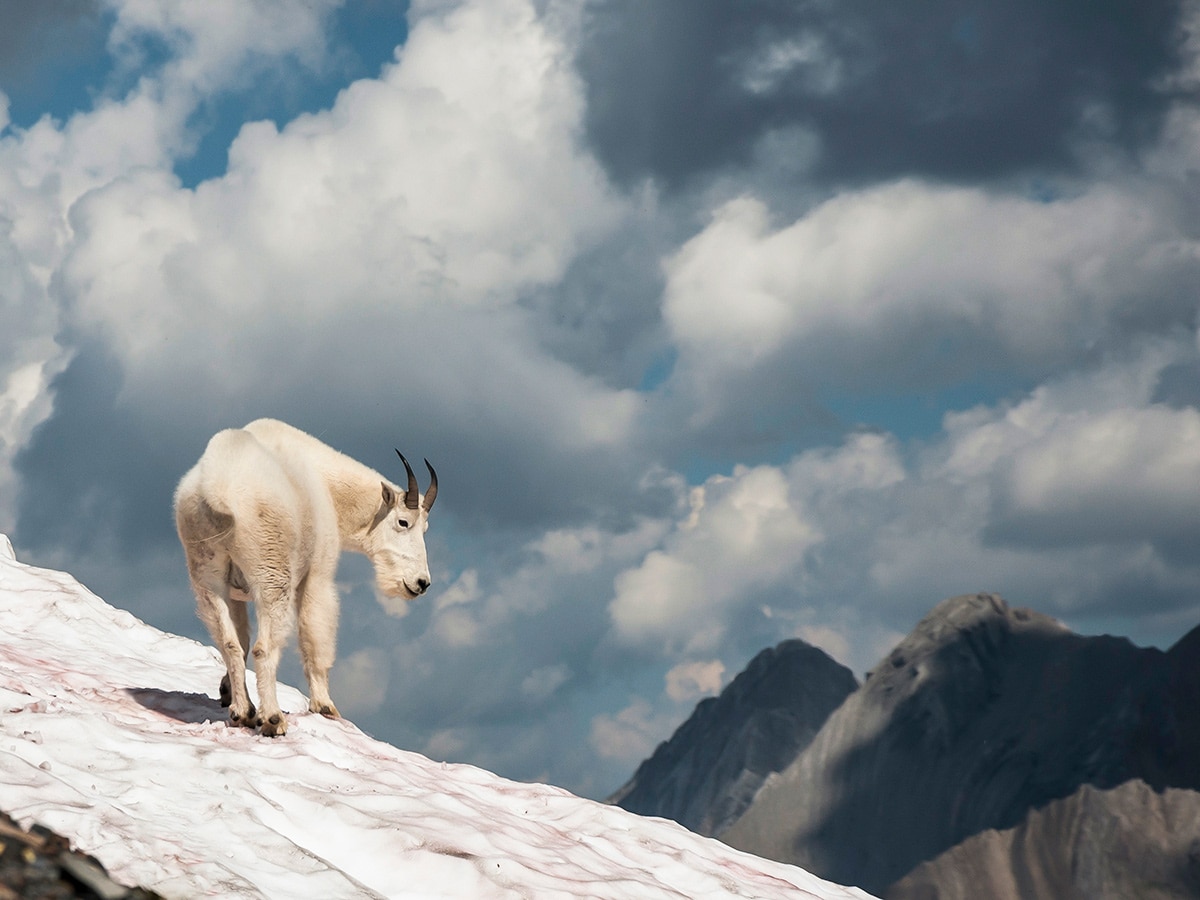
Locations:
{"points": [[249, 719], [328, 710], [274, 726], [225, 692]]}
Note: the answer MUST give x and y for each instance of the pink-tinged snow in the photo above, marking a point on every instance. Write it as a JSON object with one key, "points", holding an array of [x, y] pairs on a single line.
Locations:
{"points": [[110, 734]]}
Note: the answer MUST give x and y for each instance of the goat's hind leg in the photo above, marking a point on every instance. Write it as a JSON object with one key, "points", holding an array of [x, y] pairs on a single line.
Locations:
{"points": [[217, 615], [274, 619], [239, 611]]}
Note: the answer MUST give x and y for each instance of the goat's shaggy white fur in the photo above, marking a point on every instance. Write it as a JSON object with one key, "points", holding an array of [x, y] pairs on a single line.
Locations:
{"points": [[263, 517]]}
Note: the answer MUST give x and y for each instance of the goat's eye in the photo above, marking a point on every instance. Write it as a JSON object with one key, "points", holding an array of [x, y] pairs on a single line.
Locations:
{"points": [[402, 523]]}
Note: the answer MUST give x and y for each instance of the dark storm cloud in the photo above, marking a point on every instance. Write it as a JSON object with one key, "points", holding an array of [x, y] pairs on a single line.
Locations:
{"points": [[39, 41], [31, 31], [943, 88], [100, 473], [1179, 385], [609, 328], [93, 476]]}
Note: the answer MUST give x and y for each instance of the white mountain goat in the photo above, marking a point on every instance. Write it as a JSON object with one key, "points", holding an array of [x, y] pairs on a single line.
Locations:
{"points": [[262, 518]]}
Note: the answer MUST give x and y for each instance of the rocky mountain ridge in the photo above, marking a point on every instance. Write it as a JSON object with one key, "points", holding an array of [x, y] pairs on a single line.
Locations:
{"points": [[989, 732], [709, 771], [981, 714]]}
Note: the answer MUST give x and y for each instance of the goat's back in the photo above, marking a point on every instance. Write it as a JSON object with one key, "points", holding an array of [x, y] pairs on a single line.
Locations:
{"points": [[242, 487]]}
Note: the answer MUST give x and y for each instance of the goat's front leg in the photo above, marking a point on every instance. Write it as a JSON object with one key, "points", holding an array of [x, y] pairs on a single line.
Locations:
{"points": [[318, 603]]}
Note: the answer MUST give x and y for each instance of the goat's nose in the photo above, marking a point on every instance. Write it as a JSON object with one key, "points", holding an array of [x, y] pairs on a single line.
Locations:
{"points": [[422, 584]]}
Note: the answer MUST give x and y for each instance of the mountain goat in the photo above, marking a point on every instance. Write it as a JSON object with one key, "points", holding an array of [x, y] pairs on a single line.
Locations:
{"points": [[263, 517]]}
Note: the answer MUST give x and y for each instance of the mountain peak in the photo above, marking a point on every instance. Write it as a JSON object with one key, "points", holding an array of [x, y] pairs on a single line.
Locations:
{"points": [[955, 659], [986, 617], [707, 774]]}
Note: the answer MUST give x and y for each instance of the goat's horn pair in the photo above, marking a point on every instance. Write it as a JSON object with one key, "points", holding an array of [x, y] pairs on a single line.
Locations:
{"points": [[413, 493]]}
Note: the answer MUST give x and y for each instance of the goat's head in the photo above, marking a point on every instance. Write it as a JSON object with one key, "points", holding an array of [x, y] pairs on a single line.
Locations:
{"points": [[397, 547]]}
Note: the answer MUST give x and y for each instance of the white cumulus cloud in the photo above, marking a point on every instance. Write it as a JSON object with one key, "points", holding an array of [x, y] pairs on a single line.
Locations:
{"points": [[688, 682], [631, 734], [891, 270], [359, 681]]}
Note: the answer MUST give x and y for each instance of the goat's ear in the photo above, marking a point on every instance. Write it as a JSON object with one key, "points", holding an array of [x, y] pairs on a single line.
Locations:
{"points": [[389, 496]]}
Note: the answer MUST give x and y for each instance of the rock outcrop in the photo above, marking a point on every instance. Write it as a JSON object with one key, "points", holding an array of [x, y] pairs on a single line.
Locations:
{"points": [[1130, 841]]}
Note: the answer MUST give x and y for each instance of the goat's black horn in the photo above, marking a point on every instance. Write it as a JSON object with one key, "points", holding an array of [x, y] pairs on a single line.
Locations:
{"points": [[413, 494], [432, 492]]}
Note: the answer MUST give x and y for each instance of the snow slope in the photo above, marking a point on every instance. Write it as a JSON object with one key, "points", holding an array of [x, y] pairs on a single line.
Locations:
{"points": [[110, 734]]}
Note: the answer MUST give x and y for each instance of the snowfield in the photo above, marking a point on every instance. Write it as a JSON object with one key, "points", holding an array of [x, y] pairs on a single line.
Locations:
{"points": [[110, 734]]}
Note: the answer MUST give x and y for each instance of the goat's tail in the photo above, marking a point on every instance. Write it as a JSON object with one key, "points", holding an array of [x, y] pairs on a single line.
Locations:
{"points": [[220, 515], [201, 521]]}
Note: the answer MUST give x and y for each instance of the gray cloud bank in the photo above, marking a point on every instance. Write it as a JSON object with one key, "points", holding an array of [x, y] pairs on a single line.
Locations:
{"points": [[941, 89]]}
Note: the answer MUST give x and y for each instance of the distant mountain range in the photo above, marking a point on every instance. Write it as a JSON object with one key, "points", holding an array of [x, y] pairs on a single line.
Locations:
{"points": [[991, 741]]}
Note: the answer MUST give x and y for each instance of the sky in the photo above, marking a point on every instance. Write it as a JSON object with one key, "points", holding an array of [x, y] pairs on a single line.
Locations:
{"points": [[721, 323], [113, 738]]}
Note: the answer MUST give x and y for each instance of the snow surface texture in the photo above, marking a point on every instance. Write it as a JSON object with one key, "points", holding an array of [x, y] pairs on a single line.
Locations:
{"points": [[109, 735]]}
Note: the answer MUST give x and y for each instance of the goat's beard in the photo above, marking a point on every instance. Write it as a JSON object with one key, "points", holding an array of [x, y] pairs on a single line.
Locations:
{"points": [[394, 604]]}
